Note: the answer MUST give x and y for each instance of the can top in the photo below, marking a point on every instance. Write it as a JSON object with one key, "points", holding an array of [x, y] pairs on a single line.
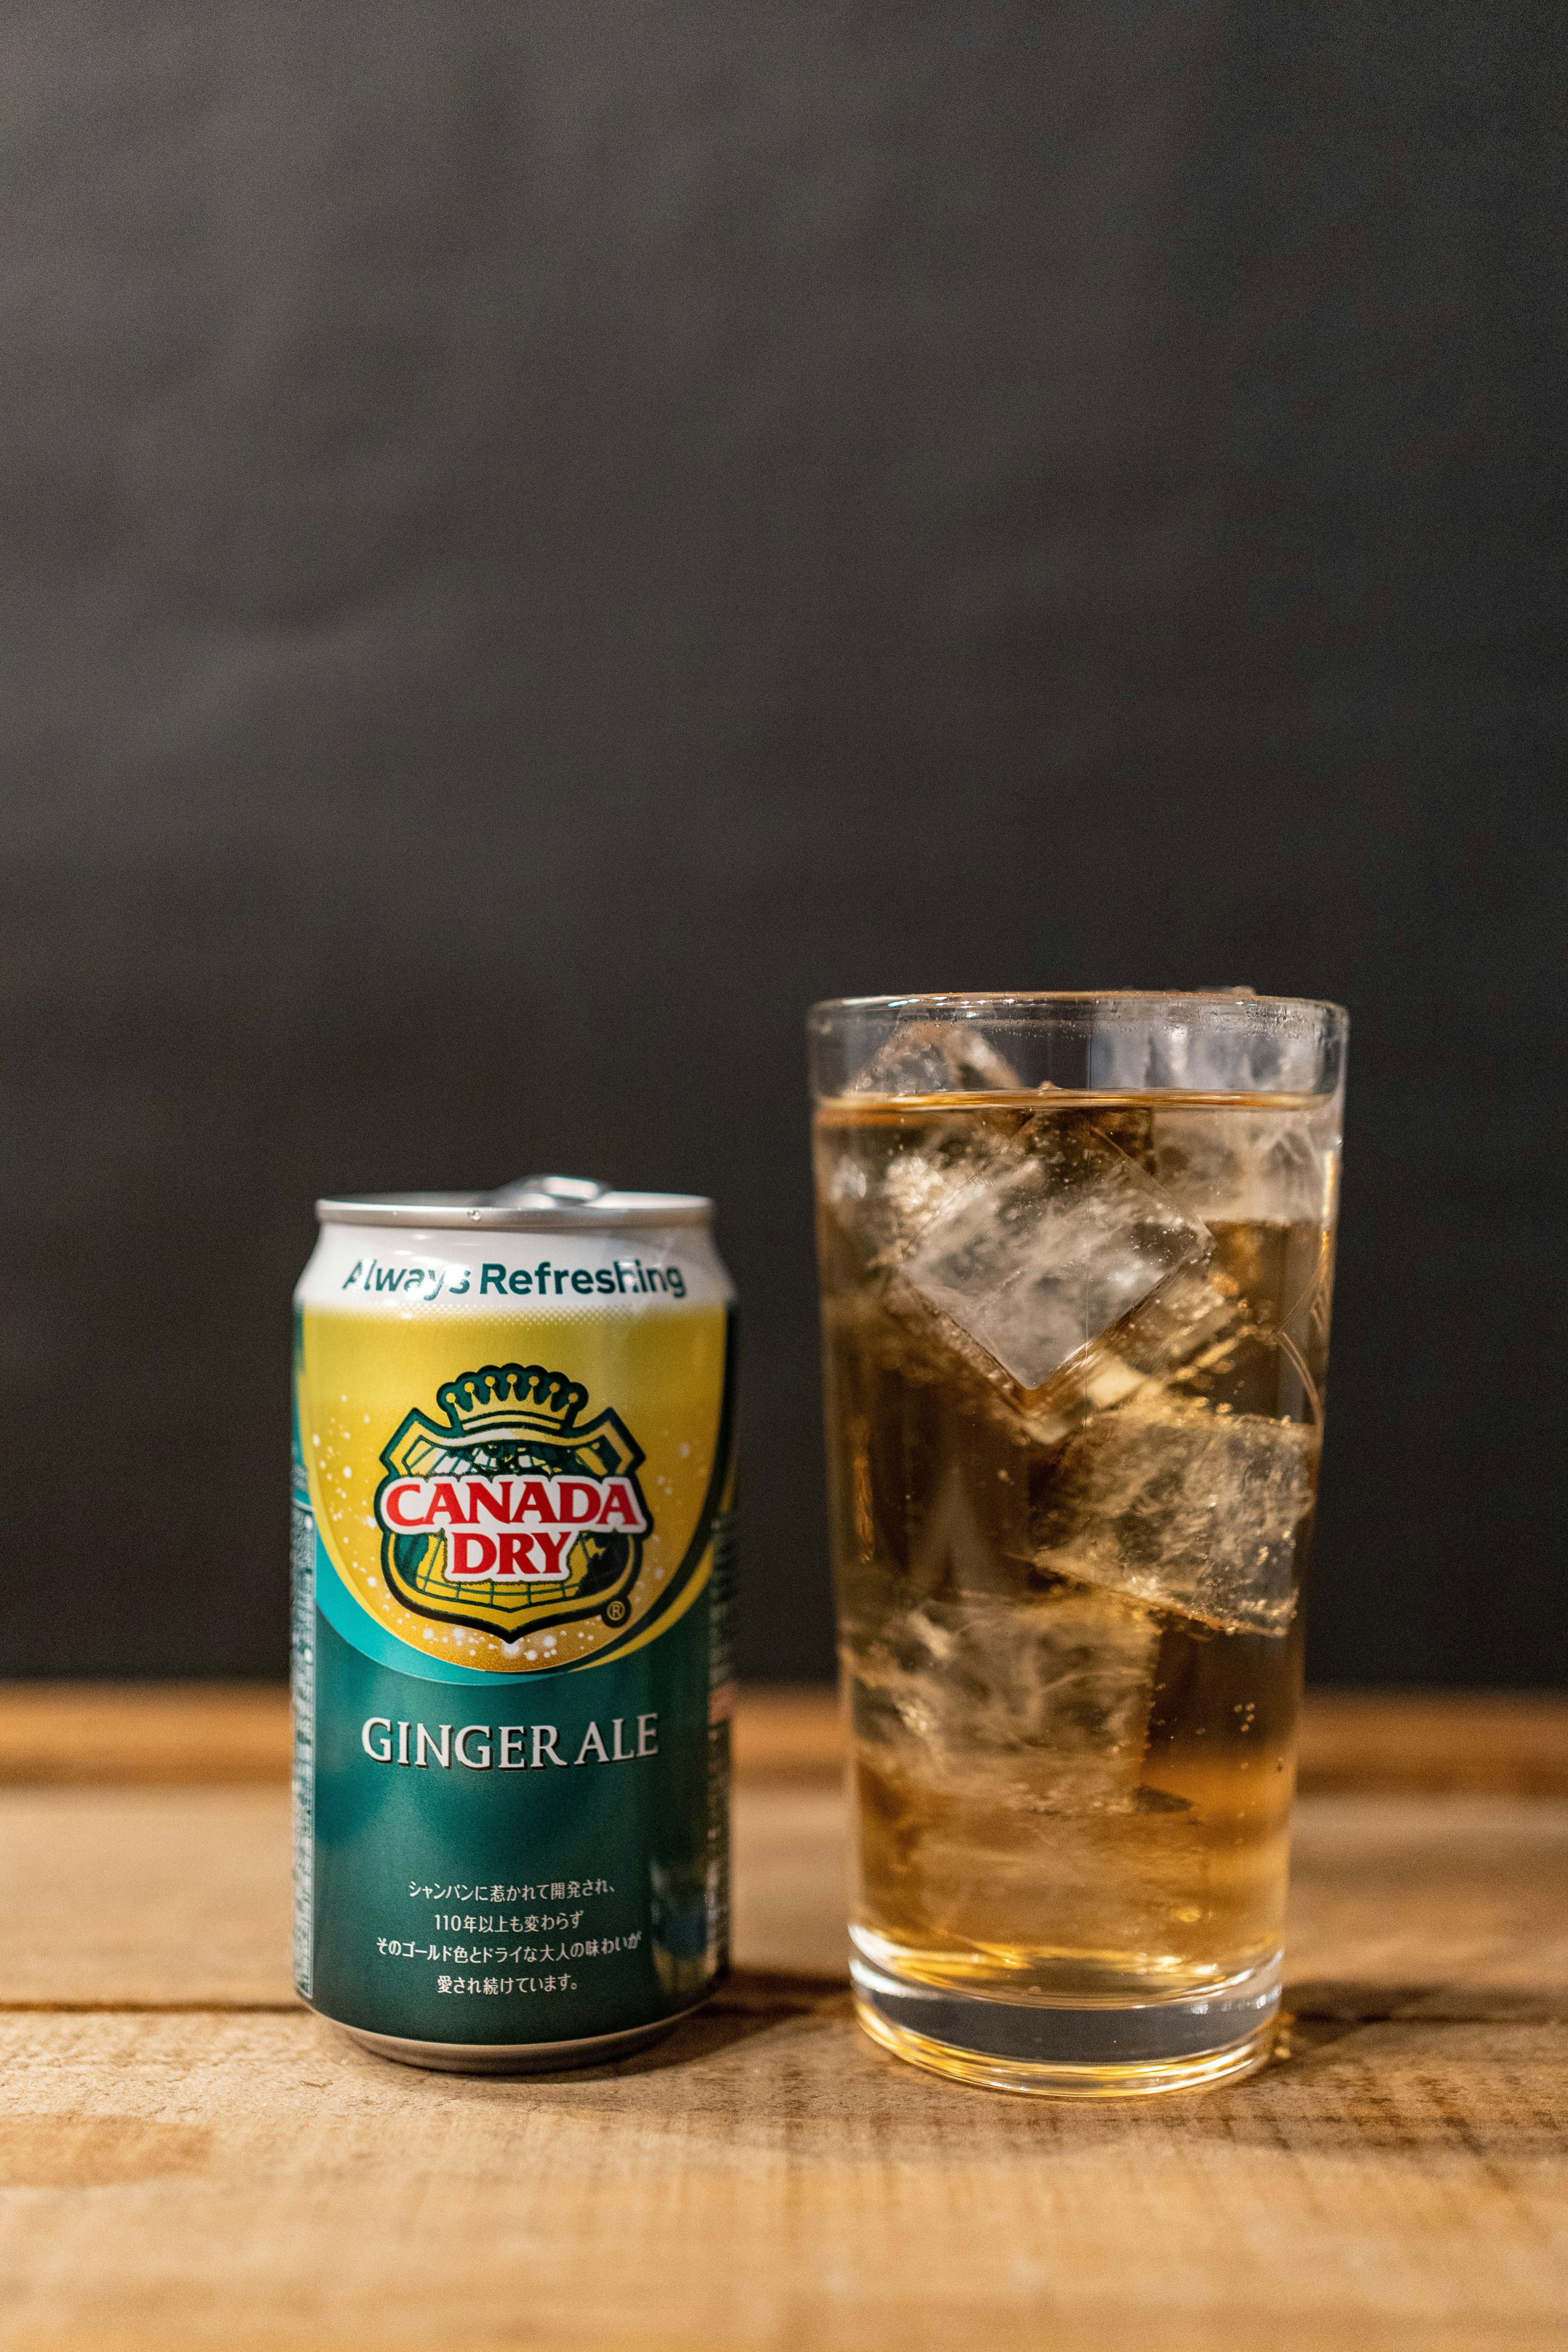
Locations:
{"points": [[534, 1204]]}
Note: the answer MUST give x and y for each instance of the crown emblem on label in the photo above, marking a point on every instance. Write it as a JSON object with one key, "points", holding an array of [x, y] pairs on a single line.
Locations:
{"points": [[518, 1511], [500, 1395]]}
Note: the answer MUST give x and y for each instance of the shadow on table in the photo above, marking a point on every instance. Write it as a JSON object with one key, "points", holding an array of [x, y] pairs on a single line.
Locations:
{"points": [[1339, 2001], [750, 2003]]}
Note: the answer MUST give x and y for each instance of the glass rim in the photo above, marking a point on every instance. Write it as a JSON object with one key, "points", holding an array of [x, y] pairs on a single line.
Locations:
{"points": [[1027, 999]]}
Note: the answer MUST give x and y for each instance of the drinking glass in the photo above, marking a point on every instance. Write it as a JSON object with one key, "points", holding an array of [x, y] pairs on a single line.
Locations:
{"points": [[1075, 1253]]}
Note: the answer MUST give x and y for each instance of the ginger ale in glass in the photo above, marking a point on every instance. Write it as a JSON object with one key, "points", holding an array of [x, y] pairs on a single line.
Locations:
{"points": [[1075, 1257]]}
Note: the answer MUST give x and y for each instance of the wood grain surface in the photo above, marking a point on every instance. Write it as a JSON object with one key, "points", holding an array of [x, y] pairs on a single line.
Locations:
{"points": [[767, 2179], [1400, 1905], [162, 1734], [188, 2158]]}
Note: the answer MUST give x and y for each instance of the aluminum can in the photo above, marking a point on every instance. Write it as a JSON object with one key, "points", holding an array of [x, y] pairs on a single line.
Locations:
{"points": [[513, 1553]]}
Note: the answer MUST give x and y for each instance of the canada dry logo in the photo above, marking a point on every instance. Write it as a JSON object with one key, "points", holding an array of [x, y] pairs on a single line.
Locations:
{"points": [[511, 1515]]}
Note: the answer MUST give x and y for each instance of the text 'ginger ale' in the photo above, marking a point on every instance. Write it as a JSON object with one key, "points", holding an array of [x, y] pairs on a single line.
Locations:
{"points": [[1076, 1259], [512, 1567]]}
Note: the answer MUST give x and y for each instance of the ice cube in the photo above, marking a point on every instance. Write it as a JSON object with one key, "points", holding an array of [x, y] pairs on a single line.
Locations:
{"points": [[1186, 1321], [1186, 1507], [1185, 1325], [883, 1186], [1040, 1703], [937, 1057], [1266, 1167], [924, 1179], [1058, 1238], [1250, 1046]]}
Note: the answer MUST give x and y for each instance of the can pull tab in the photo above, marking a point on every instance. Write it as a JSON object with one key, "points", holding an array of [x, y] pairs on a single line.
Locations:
{"points": [[547, 1192]]}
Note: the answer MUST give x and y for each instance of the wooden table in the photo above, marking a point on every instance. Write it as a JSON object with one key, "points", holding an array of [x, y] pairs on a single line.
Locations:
{"points": [[190, 2159]]}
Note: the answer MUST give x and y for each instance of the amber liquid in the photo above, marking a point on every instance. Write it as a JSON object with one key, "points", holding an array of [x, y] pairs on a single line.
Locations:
{"points": [[1070, 1637]]}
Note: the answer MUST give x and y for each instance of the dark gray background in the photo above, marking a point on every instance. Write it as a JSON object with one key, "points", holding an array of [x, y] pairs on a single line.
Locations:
{"points": [[538, 540]]}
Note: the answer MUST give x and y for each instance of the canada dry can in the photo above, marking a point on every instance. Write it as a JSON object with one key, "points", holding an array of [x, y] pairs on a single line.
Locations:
{"points": [[513, 1559]]}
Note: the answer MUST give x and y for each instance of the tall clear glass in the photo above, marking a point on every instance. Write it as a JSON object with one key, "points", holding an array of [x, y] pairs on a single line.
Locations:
{"points": [[1077, 1254]]}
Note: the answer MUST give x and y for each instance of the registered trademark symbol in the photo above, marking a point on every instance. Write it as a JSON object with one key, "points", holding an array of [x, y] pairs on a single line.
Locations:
{"points": [[617, 1611]]}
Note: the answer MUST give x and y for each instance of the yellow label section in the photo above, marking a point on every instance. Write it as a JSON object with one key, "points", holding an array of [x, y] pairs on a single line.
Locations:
{"points": [[515, 1495]]}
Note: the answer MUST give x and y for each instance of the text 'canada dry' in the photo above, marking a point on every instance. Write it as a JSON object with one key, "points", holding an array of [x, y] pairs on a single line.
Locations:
{"points": [[512, 1555]]}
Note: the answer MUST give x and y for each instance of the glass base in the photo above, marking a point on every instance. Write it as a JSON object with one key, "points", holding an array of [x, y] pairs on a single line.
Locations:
{"points": [[1061, 2050]]}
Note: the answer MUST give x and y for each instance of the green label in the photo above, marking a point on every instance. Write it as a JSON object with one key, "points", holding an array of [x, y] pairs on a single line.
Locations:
{"points": [[512, 1792], [517, 1873]]}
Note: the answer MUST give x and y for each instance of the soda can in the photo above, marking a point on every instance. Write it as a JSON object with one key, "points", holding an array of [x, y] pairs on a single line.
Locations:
{"points": [[512, 1571]]}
